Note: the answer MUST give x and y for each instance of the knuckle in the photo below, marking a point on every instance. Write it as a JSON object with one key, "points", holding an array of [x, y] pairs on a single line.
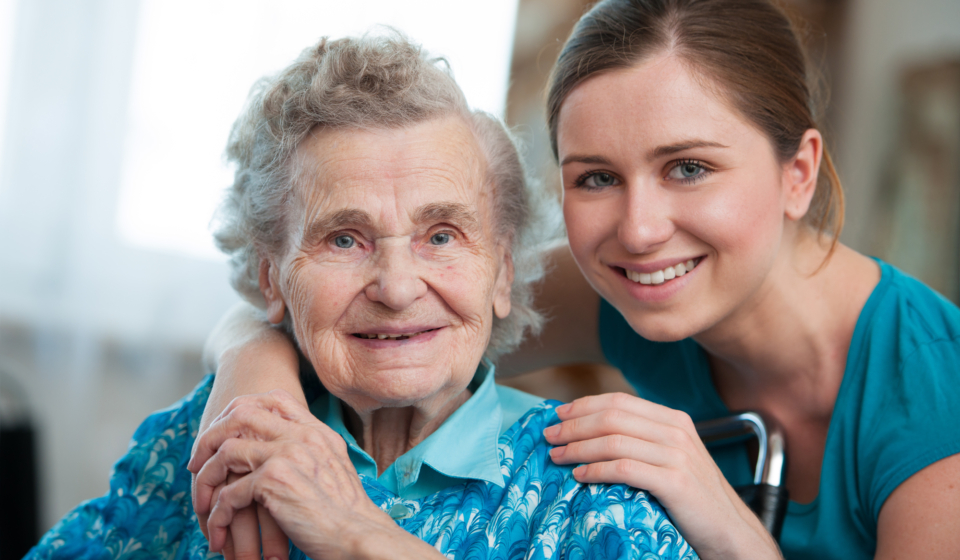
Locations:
{"points": [[612, 419], [622, 468], [682, 419], [620, 399], [615, 442]]}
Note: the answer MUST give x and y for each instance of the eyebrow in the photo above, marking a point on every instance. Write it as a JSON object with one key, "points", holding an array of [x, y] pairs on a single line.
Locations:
{"points": [[453, 212], [338, 220], [658, 152], [671, 149]]}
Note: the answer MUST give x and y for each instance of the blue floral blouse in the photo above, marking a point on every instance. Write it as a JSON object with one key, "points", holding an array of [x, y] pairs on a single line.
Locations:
{"points": [[540, 512]]}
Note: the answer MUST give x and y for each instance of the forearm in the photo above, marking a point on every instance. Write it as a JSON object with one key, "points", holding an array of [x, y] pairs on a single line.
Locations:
{"points": [[249, 357]]}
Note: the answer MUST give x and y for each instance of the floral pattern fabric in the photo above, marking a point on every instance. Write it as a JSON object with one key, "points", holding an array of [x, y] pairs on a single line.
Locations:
{"points": [[541, 512]]}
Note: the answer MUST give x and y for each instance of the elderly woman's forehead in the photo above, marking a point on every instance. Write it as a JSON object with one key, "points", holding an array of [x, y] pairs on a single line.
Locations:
{"points": [[436, 138]]}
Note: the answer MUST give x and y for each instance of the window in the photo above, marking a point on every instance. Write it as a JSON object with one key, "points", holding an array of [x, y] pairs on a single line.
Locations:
{"points": [[195, 62]]}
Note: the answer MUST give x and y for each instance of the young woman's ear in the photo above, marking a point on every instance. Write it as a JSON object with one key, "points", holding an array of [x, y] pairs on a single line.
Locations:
{"points": [[501, 296], [270, 288], [800, 175]]}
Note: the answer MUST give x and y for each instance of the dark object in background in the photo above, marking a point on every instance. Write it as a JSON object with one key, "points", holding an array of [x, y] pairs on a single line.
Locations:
{"points": [[18, 473]]}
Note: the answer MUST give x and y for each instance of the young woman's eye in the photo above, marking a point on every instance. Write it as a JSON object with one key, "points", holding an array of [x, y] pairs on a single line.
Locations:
{"points": [[440, 238], [687, 171], [344, 241], [596, 180]]}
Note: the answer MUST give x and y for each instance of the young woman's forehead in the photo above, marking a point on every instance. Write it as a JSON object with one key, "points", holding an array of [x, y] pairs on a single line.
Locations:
{"points": [[658, 103]]}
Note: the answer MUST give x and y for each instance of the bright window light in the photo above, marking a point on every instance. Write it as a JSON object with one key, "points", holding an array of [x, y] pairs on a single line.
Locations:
{"points": [[7, 18], [196, 60]]}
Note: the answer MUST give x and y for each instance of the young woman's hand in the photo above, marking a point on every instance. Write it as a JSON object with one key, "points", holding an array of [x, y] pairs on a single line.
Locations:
{"points": [[298, 470], [624, 439]]}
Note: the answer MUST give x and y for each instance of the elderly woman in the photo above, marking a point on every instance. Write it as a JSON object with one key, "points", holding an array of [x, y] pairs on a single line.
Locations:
{"points": [[389, 229]]}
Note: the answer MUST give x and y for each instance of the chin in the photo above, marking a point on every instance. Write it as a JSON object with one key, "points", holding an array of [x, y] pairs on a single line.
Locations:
{"points": [[662, 329], [406, 389]]}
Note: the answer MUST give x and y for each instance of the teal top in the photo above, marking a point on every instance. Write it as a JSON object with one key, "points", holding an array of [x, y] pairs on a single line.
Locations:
{"points": [[463, 448], [897, 411]]}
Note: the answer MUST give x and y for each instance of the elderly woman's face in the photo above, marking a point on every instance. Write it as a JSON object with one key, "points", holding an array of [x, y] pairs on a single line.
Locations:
{"points": [[392, 272]]}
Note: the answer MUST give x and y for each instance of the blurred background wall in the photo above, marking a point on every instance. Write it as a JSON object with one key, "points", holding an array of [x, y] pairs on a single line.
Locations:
{"points": [[108, 283]]}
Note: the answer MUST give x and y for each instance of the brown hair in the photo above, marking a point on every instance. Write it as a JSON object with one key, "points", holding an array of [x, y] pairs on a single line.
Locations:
{"points": [[747, 47]]}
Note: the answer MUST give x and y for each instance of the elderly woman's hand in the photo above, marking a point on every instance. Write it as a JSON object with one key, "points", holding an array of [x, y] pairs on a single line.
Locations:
{"points": [[628, 440], [298, 470]]}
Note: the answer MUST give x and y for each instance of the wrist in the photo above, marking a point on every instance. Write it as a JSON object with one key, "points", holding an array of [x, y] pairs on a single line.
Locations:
{"points": [[384, 539]]}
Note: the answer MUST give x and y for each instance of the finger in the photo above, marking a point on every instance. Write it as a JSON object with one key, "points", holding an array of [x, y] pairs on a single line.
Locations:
{"points": [[250, 421], [228, 551], [234, 497], [621, 401], [274, 540], [624, 471], [234, 456], [613, 447], [617, 421], [245, 534], [216, 542]]}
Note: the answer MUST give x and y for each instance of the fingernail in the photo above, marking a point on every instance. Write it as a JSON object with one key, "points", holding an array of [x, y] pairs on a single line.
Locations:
{"points": [[563, 409], [557, 452], [551, 431], [579, 471]]}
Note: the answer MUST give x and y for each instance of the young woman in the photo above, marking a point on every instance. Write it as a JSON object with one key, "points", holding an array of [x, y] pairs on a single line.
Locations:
{"points": [[703, 212]]}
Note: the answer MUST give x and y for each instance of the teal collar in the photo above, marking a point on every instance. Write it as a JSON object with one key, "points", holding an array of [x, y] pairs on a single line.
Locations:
{"points": [[463, 448]]}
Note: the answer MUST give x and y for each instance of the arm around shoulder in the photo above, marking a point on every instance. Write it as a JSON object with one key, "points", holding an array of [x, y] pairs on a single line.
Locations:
{"points": [[249, 356]]}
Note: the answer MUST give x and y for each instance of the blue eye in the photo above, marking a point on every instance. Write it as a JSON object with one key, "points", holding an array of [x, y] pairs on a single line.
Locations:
{"points": [[687, 171], [599, 180], [440, 239], [344, 241]]}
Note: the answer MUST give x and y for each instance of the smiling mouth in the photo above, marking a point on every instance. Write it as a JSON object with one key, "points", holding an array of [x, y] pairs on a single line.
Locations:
{"points": [[661, 276], [381, 336]]}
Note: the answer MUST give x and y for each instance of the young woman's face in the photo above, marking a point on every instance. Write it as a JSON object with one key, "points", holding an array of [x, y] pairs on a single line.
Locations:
{"points": [[674, 203]]}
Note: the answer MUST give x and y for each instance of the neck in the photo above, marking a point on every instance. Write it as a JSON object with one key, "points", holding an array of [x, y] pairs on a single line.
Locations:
{"points": [[387, 433], [786, 348]]}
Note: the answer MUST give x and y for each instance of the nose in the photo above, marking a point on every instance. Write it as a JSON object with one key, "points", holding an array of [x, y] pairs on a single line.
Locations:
{"points": [[646, 222], [398, 282]]}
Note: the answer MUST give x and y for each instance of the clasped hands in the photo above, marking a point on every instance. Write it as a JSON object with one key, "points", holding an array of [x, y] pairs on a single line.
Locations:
{"points": [[267, 461]]}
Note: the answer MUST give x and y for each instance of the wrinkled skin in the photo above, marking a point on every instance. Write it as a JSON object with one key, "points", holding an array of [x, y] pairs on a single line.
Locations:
{"points": [[391, 232]]}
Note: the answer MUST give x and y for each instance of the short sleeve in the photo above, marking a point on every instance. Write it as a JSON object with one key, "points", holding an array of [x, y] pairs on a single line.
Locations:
{"points": [[916, 420], [148, 511]]}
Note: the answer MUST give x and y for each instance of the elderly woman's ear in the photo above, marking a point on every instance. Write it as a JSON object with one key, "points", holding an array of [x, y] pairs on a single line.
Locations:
{"points": [[501, 296], [270, 288]]}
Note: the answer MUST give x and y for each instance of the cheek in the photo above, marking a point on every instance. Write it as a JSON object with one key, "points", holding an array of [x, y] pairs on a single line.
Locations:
{"points": [[589, 223], [317, 296], [744, 221]]}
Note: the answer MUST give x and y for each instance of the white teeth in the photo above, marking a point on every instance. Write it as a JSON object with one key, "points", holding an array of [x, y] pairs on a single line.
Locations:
{"points": [[389, 336], [661, 276]]}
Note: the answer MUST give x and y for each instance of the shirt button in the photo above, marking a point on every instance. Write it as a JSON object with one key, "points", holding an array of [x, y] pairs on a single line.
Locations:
{"points": [[399, 512]]}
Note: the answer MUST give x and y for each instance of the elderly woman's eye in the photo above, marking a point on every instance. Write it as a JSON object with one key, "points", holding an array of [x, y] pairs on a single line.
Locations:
{"points": [[440, 238], [344, 241]]}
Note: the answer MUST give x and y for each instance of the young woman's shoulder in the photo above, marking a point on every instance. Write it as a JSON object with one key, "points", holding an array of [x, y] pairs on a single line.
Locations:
{"points": [[901, 388]]}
